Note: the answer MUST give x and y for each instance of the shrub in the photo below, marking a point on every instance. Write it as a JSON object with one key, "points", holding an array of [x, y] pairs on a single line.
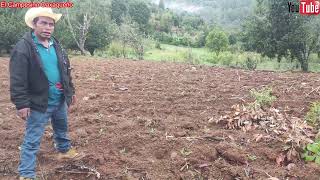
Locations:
{"points": [[263, 98], [158, 45], [211, 58], [115, 50], [312, 153], [313, 115], [217, 41], [225, 58], [189, 57], [251, 63]]}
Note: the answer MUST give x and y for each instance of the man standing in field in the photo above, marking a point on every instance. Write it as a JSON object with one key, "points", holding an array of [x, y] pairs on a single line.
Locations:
{"points": [[41, 88]]}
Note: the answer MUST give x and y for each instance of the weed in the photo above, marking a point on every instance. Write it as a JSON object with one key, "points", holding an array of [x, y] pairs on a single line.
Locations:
{"points": [[251, 63], [123, 151], [158, 45], [185, 152], [313, 115], [263, 98], [312, 153], [252, 157]]}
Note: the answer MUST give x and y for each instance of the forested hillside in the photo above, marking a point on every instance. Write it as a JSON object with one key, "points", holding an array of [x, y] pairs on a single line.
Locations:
{"points": [[227, 13]]}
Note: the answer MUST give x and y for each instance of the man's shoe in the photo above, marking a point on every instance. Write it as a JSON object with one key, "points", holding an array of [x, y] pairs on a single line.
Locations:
{"points": [[25, 178], [70, 154]]}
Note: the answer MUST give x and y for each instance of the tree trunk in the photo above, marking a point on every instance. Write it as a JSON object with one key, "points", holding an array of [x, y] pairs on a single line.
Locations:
{"points": [[81, 47], [304, 58], [124, 50], [83, 31], [304, 65], [140, 52]]}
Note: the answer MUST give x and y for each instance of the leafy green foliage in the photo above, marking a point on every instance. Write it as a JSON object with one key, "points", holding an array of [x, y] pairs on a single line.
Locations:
{"points": [[158, 45], [251, 63], [232, 39], [115, 50], [217, 41], [256, 27], [12, 28], [313, 115], [99, 36], [252, 157], [84, 27], [140, 13], [263, 98], [226, 13], [63, 34], [275, 32], [166, 22], [130, 36], [312, 152], [119, 10]]}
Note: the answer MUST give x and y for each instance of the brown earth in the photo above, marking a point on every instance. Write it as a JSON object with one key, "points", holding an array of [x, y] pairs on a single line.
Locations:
{"points": [[151, 120]]}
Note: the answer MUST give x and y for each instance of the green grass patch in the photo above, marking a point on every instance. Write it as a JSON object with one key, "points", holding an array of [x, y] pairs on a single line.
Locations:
{"points": [[238, 59], [234, 58]]}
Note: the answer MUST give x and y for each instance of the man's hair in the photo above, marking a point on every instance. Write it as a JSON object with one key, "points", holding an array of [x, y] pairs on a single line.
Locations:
{"points": [[35, 20]]}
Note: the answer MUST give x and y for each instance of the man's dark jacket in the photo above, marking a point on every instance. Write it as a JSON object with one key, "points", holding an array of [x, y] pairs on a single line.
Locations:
{"points": [[29, 86]]}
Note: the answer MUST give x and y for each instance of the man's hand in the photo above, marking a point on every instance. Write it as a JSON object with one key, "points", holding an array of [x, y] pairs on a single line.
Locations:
{"points": [[73, 100], [24, 113]]}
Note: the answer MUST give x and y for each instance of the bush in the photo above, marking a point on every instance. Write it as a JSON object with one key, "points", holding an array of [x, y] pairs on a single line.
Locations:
{"points": [[217, 41], [232, 39], [158, 45], [163, 37], [210, 58], [263, 98], [225, 59], [115, 50], [200, 40], [189, 57], [313, 115], [312, 153], [251, 63]]}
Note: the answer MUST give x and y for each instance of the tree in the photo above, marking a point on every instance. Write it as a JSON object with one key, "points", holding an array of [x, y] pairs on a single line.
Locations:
{"points": [[161, 4], [12, 28], [119, 10], [166, 22], [193, 22], [232, 39], [279, 33], [217, 41], [130, 36], [63, 34], [140, 13], [100, 35], [255, 34], [303, 40], [80, 24]]}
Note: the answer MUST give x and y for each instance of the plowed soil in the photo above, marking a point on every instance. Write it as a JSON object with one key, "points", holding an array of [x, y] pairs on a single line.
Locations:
{"points": [[153, 120]]}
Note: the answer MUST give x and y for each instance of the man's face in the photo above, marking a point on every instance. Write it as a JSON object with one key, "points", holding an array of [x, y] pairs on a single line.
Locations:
{"points": [[44, 27]]}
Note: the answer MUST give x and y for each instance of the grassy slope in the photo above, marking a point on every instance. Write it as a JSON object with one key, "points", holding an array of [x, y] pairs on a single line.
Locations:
{"points": [[202, 56]]}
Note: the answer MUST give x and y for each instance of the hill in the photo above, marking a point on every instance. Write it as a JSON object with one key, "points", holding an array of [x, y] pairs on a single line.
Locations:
{"points": [[227, 13]]}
